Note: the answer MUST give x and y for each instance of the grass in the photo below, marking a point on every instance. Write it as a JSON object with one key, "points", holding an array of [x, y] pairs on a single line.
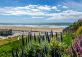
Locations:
{"points": [[7, 44], [5, 41]]}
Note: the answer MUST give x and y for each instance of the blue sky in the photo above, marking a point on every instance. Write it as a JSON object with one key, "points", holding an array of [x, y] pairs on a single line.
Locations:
{"points": [[38, 11]]}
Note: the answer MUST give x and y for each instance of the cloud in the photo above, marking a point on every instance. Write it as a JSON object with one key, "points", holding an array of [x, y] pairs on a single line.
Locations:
{"points": [[39, 11], [54, 7], [44, 7], [37, 17], [65, 7], [68, 14], [28, 10]]}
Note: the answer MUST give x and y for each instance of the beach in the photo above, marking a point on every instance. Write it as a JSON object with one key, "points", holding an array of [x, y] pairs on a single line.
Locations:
{"points": [[33, 29], [17, 30]]}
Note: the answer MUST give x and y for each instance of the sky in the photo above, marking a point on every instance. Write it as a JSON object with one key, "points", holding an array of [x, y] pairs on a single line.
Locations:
{"points": [[40, 11]]}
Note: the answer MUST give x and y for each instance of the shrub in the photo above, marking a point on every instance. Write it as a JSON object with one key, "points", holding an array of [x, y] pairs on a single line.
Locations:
{"points": [[79, 31]]}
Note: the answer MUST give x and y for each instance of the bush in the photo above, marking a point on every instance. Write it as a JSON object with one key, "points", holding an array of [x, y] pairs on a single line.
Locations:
{"points": [[79, 31]]}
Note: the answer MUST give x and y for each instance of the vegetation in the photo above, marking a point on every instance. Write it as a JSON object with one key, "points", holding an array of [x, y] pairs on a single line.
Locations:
{"points": [[62, 44], [33, 47], [79, 31], [73, 27], [76, 45]]}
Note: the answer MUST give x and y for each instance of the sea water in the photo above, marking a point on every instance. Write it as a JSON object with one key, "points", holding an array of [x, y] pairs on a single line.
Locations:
{"points": [[38, 25]]}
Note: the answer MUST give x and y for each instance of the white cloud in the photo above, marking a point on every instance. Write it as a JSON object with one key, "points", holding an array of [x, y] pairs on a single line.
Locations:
{"points": [[38, 11], [54, 7], [27, 10], [68, 14], [65, 7], [37, 17], [44, 7]]}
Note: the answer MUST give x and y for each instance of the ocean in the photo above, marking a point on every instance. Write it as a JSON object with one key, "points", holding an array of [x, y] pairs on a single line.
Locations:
{"points": [[38, 25]]}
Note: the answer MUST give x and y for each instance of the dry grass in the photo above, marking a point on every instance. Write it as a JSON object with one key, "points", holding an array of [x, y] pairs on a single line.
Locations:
{"points": [[5, 41]]}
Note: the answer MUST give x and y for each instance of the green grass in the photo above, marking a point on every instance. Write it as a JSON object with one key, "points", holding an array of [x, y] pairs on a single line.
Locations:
{"points": [[5, 49], [5, 41]]}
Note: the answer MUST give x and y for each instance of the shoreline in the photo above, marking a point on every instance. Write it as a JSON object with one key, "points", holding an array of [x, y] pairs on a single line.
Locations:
{"points": [[35, 29], [18, 30]]}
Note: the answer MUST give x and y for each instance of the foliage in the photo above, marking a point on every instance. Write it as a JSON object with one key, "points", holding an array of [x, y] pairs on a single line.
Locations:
{"points": [[42, 48], [79, 31], [73, 27]]}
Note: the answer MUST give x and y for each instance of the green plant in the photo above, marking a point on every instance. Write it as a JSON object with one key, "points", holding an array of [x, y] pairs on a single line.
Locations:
{"points": [[79, 31]]}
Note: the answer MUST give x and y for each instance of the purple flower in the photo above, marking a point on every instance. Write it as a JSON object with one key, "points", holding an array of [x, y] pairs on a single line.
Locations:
{"points": [[80, 43], [30, 35], [56, 35], [42, 37], [13, 53], [22, 55], [61, 38], [42, 54], [34, 37], [26, 40], [48, 39], [36, 54], [51, 33], [39, 38], [46, 35], [23, 39], [55, 55], [45, 50], [72, 52]]}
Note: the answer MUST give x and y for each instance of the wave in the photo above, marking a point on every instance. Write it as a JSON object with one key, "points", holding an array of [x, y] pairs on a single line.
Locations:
{"points": [[40, 26]]}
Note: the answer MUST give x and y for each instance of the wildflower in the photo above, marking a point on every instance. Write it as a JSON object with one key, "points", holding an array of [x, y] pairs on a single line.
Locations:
{"points": [[23, 39], [56, 35], [42, 54], [34, 37], [36, 54], [46, 35], [30, 35], [13, 53], [26, 40], [48, 39], [45, 50], [55, 55], [52, 33], [22, 55], [42, 37], [39, 38], [61, 38], [17, 52], [73, 54]]}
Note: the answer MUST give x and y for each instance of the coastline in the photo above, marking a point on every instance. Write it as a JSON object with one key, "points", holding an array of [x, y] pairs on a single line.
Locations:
{"points": [[17, 30], [34, 29]]}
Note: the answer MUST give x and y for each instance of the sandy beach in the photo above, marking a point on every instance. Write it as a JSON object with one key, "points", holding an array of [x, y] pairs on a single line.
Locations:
{"points": [[24, 28], [17, 30]]}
